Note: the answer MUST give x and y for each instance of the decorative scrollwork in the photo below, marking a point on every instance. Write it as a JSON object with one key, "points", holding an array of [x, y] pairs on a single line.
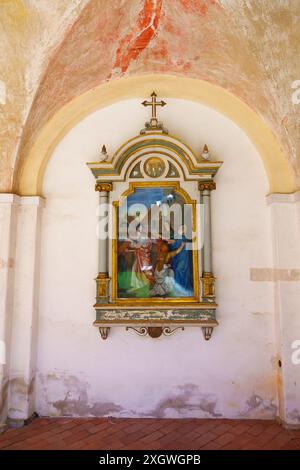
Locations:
{"points": [[168, 331], [142, 331], [155, 331]]}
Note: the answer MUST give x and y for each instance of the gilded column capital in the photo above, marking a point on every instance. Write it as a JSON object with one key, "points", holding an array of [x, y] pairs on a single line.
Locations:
{"points": [[103, 187], [206, 185]]}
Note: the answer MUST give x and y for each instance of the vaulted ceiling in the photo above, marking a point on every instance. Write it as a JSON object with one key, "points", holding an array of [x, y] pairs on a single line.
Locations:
{"points": [[53, 51]]}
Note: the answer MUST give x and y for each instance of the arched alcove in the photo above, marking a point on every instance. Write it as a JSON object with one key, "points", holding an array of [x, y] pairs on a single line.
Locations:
{"points": [[180, 376], [31, 170]]}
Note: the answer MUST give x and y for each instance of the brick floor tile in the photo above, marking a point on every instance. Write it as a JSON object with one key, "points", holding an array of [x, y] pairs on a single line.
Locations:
{"points": [[225, 438], [250, 446], [208, 425], [241, 440], [282, 439], [156, 425], [178, 445], [135, 427], [256, 429], [99, 435], [41, 445], [168, 439], [232, 445], [59, 437], [273, 430], [240, 428], [292, 445], [221, 429], [263, 439], [204, 439], [93, 429], [129, 438], [211, 446], [76, 437], [190, 436], [152, 437], [76, 446]]}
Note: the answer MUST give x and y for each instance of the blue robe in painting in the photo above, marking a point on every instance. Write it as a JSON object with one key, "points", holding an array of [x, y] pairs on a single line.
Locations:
{"points": [[182, 265]]}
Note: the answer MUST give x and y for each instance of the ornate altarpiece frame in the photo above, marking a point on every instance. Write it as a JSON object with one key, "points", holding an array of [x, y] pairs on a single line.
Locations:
{"points": [[155, 159]]}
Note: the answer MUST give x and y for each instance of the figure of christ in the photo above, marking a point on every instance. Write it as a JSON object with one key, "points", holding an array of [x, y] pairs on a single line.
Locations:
{"points": [[164, 274]]}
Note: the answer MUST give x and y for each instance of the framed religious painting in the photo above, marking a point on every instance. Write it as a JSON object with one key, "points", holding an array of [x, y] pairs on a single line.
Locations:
{"points": [[155, 252], [155, 268]]}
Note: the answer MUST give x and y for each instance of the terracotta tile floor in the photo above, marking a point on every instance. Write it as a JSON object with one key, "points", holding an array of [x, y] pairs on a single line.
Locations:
{"points": [[149, 434]]}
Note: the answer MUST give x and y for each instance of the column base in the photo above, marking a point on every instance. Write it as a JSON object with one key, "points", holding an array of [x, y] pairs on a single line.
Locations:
{"points": [[102, 288], [208, 286]]}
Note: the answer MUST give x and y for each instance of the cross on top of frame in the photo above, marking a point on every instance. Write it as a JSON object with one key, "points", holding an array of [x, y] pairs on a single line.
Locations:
{"points": [[154, 125]]}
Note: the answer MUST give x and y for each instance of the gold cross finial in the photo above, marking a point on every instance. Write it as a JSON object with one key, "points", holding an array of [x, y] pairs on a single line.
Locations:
{"points": [[154, 103]]}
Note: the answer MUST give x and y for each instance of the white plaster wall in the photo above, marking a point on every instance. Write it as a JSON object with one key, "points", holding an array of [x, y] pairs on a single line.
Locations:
{"points": [[232, 375]]}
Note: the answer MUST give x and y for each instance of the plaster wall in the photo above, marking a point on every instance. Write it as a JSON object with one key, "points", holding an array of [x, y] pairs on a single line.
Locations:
{"points": [[233, 374]]}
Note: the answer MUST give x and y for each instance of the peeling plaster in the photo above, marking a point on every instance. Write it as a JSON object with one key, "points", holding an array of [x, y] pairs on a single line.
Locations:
{"points": [[296, 94], [294, 416], [257, 407], [80, 407], [68, 395], [187, 399], [20, 392], [75, 399], [2, 92]]}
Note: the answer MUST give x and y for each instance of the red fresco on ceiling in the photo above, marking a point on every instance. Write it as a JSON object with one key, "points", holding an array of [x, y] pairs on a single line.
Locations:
{"points": [[110, 39], [198, 6], [132, 44]]}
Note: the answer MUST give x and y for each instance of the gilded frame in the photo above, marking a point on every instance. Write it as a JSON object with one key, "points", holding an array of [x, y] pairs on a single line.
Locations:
{"points": [[157, 301]]}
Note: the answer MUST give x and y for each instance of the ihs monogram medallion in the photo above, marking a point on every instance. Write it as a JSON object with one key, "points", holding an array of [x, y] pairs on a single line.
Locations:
{"points": [[154, 167]]}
